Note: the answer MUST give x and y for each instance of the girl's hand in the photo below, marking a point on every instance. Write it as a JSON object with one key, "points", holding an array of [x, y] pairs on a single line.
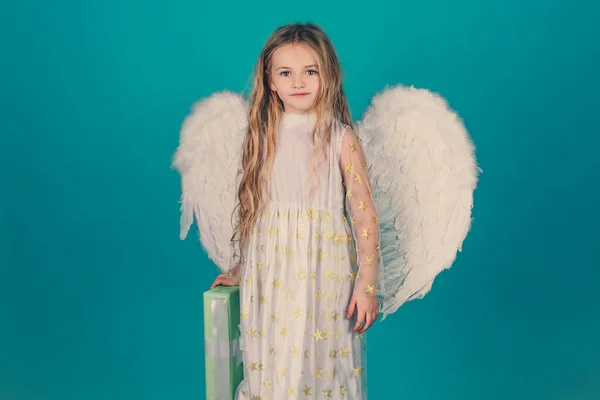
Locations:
{"points": [[367, 311], [231, 278]]}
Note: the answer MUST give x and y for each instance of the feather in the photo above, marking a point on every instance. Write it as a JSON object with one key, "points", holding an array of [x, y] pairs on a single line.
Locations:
{"points": [[423, 174], [208, 159]]}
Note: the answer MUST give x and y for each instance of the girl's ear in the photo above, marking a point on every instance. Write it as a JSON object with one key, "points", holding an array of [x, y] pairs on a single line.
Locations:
{"points": [[271, 85]]}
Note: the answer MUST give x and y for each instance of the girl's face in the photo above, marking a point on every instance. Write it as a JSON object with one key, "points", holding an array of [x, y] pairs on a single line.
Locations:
{"points": [[294, 75]]}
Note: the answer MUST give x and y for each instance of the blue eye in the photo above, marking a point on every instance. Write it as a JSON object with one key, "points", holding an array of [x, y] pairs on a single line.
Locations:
{"points": [[284, 72], [312, 70]]}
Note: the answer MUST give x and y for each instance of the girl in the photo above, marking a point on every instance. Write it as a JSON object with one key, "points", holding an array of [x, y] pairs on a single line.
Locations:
{"points": [[307, 228]]}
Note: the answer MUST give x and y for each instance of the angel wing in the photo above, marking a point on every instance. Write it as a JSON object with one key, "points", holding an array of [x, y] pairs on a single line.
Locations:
{"points": [[423, 171], [208, 159]]}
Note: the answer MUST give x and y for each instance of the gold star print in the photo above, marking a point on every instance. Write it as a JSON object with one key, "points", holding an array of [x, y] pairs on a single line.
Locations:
{"points": [[318, 373], [272, 351], [348, 168], [292, 392], [252, 332], [308, 314], [337, 332], [319, 294], [277, 283], [357, 177], [306, 355], [366, 233], [375, 219], [352, 147], [294, 352], [259, 265], [288, 294], [370, 260], [357, 371], [318, 335], [310, 214], [284, 332], [252, 366], [348, 237], [333, 354], [281, 372], [327, 216], [307, 390], [262, 299], [267, 384], [298, 313], [327, 235], [352, 276], [274, 318], [370, 289], [299, 236], [244, 314], [313, 275], [363, 205], [342, 389], [345, 351], [341, 278], [261, 367], [248, 281], [261, 332], [271, 232], [353, 221], [337, 238], [302, 274], [327, 393], [256, 397], [322, 255]]}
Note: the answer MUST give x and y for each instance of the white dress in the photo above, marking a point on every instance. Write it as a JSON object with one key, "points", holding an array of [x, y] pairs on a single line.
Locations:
{"points": [[304, 260]]}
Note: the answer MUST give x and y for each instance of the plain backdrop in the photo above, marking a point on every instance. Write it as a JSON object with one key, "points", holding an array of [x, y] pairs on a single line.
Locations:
{"points": [[99, 299]]}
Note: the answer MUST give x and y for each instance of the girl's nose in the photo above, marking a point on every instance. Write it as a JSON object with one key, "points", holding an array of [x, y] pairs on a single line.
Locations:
{"points": [[298, 82]]}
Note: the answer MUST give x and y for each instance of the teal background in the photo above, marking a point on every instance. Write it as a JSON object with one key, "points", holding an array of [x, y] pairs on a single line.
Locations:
{"points": [[99, 299]]}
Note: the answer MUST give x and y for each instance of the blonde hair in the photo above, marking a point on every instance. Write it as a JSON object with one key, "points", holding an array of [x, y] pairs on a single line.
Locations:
{"points": [[264, 114]]}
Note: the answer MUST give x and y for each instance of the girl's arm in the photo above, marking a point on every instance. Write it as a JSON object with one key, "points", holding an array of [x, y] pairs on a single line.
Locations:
{"points": [[363, 215]]}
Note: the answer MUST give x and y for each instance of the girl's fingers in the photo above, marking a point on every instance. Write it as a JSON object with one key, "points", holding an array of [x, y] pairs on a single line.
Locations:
{"points": [[368, 323], [359, 320]]}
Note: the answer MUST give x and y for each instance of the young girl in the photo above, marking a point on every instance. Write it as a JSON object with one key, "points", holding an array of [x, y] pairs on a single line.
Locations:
{"points": [[307, 228]]}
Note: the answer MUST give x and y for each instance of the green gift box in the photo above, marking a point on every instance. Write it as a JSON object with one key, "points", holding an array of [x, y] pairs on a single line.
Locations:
{"points": [[224, 369]]}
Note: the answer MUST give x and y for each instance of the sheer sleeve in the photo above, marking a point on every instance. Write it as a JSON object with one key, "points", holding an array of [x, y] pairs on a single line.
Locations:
{"points": [[362, 216]]}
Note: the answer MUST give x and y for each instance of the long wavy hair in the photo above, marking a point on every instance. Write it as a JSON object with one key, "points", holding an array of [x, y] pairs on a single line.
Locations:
{"points": [[264, 114]]}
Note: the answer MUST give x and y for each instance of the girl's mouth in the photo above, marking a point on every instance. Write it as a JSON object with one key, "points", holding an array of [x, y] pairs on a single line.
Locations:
{"points": [[300, 94]]}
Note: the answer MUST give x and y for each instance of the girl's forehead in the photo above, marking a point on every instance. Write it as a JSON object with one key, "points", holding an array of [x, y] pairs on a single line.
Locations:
{"points": [[294, 55]]}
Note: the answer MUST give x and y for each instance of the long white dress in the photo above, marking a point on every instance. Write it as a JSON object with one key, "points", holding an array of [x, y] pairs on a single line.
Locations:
{"points": [[305, 259]]}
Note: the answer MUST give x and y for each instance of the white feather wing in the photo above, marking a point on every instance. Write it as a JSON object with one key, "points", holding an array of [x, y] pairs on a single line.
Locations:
{"points": [[424, 173], [208, 159]]}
